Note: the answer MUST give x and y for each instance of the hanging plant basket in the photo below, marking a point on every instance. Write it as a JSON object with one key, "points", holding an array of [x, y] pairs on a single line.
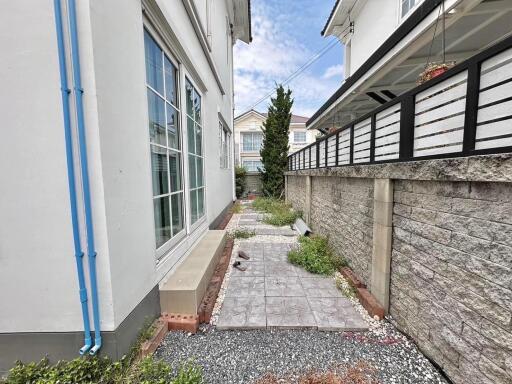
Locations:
{"points": [[433, 70]]}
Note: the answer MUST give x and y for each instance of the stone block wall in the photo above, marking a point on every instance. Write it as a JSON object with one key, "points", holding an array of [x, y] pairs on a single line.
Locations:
{"points": [[342, 208], [451, 275], [296, 192], [450, 281], [254, 183]]}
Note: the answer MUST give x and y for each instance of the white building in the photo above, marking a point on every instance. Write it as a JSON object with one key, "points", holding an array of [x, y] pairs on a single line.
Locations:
{"points": [[389, 42], [154, 192], [249, 137]]}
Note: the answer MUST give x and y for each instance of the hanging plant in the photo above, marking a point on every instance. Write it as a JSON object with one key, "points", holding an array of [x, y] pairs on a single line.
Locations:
{"points": [[433, 70]]}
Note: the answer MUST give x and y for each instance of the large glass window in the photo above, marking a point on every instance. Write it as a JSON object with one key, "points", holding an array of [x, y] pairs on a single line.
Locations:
{"points": [[224, 147], [252, 165], [251, 141], [164, 136], [195, 152]]}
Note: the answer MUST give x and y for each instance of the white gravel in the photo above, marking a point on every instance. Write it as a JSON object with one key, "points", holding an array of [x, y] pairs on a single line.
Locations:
{"points": [[243, 356]]}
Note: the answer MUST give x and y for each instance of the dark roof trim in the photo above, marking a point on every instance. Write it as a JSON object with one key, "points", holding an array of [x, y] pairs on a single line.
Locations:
{"points": [[330, 17], [427, 7], [250, 22]]}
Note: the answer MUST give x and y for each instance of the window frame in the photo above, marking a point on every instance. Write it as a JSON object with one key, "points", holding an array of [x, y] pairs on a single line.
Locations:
{"points": [[252, 161], [200, 220], [401, 16], [243, 134], [176, 238], [224, 146], [305, 137]]}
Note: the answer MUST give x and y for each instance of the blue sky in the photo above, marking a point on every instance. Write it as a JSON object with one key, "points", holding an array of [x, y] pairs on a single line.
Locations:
{"points": [[286, 33]]}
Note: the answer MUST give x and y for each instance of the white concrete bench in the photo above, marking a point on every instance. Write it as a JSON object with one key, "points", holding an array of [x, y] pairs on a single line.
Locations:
{"points": [[184, 289]]}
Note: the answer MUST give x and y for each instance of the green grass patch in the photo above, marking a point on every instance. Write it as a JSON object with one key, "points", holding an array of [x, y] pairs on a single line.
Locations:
{"points": [[278, 212], [242, 234], [316, 256], [237, 207]]}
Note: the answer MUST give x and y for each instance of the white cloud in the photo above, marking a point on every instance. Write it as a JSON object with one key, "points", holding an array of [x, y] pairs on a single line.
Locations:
{"points": [[272, 56], [333, 71]]}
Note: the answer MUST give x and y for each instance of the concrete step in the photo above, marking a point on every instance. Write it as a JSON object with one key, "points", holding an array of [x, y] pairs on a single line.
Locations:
{"points": [[184, 288]]}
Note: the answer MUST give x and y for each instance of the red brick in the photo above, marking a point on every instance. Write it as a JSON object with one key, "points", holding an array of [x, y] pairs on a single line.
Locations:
{"points": [[160, 330], [370, 303], [182, 322], [351, 277]]}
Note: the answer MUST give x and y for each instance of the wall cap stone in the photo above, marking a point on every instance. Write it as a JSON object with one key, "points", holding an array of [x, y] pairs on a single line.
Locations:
{"points": [[496, 168]]}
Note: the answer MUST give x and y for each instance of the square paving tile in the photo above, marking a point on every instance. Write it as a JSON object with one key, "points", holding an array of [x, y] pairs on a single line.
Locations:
{"points": [[242, 313], [283, 286], [246, 286], [289, 312], [320, 287], [254, 268], [279, 268], [335, 314], [276, 255], [301, 272]]}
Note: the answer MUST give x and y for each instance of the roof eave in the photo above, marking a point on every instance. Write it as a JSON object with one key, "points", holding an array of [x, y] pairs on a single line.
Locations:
{"points": [[423, 10]]}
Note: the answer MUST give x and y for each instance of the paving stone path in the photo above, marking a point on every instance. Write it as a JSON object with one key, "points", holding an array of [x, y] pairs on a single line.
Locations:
{"points": [[272, 293]]}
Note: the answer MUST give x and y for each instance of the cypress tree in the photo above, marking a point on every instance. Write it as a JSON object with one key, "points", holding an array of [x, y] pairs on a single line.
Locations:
{"points": [[274, 151]]}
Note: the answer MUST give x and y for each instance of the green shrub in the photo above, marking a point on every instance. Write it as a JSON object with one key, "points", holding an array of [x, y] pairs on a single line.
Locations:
{"points": [[315, 256], [279, 213], [240, 181], [89, 370], [189, 373], [237, 207], [242, 234]]}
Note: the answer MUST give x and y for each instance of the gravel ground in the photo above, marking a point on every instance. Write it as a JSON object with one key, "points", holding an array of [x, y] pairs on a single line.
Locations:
{"points": [[243, 356]]}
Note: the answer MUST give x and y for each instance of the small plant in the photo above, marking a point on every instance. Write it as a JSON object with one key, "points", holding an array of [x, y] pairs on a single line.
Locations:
{"points": [[279, 213], [189, 373], [342, 284], [240, 181], [237, 207], [242, 234], [315, 255]]}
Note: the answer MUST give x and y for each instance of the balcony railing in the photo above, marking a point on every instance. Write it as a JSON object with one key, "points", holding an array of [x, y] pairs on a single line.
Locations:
{"points": [[465, 111]]}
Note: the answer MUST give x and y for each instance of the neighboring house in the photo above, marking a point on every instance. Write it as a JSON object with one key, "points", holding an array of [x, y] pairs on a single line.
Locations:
{"points": [[155, 125], [249, 137], [389, 42]]}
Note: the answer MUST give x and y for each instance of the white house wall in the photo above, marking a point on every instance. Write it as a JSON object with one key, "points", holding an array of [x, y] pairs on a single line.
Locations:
{"points": [[38, 280], [374, 23], [38, 274]]}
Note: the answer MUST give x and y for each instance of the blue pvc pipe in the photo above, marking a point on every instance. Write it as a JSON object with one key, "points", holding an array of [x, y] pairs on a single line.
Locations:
{"points": [[71, 177], [91, 251]]}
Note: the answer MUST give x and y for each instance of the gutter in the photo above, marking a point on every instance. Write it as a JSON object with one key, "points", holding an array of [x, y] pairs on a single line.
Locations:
{"points": [[79, 254], [91, 251]]}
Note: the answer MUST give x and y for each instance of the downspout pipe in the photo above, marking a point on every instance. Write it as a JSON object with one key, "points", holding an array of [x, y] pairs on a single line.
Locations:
{"points": [[79, 254], [91, 251]]}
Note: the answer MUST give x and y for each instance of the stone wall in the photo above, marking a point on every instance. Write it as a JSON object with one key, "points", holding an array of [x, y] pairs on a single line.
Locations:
{"points": [[342, 208], [253, 183], [296, 185], [451, 275], [450, 281]]}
